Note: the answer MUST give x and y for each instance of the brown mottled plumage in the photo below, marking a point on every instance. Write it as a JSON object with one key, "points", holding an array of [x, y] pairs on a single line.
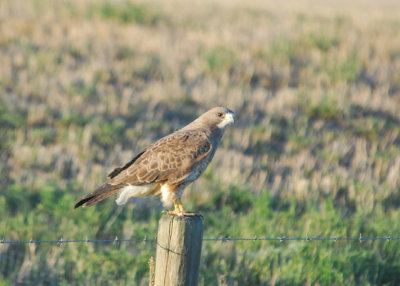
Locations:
{"points": [[166, 167]]}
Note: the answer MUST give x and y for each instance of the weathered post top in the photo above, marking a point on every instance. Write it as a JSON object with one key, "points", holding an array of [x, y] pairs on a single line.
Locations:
{"points": [[179, 242]]}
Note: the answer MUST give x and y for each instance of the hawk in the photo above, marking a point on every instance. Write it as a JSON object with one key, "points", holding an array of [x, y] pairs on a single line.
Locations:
{"points": [[165, 168]]}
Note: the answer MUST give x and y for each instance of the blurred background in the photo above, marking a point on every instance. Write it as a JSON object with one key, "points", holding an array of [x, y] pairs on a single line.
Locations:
{"points": [[85, 85]]}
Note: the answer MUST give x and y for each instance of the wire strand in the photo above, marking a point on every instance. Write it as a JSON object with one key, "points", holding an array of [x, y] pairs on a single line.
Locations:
{"points": [[61, 241]]}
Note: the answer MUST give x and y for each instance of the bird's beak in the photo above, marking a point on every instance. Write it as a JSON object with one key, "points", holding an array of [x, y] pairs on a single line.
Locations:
{"points": [[228, 120], [230, 117]]}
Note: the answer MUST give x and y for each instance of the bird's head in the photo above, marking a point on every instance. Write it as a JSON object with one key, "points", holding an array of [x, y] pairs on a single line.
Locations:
{"points": [[218, 117], [216, 120]]}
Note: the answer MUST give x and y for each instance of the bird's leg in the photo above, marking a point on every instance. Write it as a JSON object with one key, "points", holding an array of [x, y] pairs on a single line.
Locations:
{"points": [[177, 209], [182, 210], [180, 206]]}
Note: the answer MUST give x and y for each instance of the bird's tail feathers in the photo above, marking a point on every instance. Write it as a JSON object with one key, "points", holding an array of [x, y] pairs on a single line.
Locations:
{"points": [[98, 195]]}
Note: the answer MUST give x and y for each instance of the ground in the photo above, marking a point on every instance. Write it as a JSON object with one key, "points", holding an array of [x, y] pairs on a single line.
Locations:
{"points": [[314, 151]]}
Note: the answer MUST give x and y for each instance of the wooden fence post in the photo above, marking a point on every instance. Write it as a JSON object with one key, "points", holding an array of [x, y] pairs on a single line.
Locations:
{"points": [[179, 242]]}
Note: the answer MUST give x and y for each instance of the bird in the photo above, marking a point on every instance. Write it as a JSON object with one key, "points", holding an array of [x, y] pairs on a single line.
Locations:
{"points": [[165, 168]]}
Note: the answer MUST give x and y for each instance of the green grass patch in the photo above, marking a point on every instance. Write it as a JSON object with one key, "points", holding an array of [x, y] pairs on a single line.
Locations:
{"points": [[219, 59], [11, 119], [108, 133], [345, 70], [327, 109], [282, 49], [128, 12], [321, 41], [74, 118]]}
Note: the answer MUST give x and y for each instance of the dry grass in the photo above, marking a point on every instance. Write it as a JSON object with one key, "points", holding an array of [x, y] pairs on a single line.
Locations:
{"points": [[315, 87]]}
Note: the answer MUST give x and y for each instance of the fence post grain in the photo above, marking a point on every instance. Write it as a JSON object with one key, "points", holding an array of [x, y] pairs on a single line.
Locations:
{"points": [[179, 242]]}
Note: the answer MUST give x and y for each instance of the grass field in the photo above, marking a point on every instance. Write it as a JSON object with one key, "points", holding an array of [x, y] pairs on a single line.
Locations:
{"points": [[315, 150]]}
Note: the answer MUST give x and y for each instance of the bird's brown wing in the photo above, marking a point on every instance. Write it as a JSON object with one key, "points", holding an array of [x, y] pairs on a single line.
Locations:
{"points": [[170, 159]]}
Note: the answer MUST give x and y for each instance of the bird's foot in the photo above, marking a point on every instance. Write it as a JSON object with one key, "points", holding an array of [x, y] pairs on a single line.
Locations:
{"points": [[175, 213], [190, 214], [180, 211]]}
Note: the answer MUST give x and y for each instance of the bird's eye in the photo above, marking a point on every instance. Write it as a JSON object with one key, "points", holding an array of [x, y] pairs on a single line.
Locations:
{"points": [[219, 114]]}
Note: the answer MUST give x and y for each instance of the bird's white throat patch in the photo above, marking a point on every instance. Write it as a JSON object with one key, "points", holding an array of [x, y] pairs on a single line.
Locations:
{"points": [[228, 121]]}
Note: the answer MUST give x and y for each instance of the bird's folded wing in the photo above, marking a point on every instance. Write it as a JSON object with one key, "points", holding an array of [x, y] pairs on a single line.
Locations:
{"points": [[169, 159]]}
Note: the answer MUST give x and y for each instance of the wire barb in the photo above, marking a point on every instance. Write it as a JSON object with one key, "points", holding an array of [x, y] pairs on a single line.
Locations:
{"points": [[60, 242], [116, 241]]}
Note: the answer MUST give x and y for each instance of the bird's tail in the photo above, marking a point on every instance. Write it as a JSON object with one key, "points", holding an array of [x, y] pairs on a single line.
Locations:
{"points": [[98, 195]]}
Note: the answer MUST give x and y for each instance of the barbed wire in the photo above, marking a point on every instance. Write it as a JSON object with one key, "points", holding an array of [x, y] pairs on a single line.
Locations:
{"points": [[283, 239], [61, 241]]}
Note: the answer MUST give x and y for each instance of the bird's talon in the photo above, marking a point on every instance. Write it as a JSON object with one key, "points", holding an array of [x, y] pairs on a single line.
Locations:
{"points": [[175, 213], [190, 214]]}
